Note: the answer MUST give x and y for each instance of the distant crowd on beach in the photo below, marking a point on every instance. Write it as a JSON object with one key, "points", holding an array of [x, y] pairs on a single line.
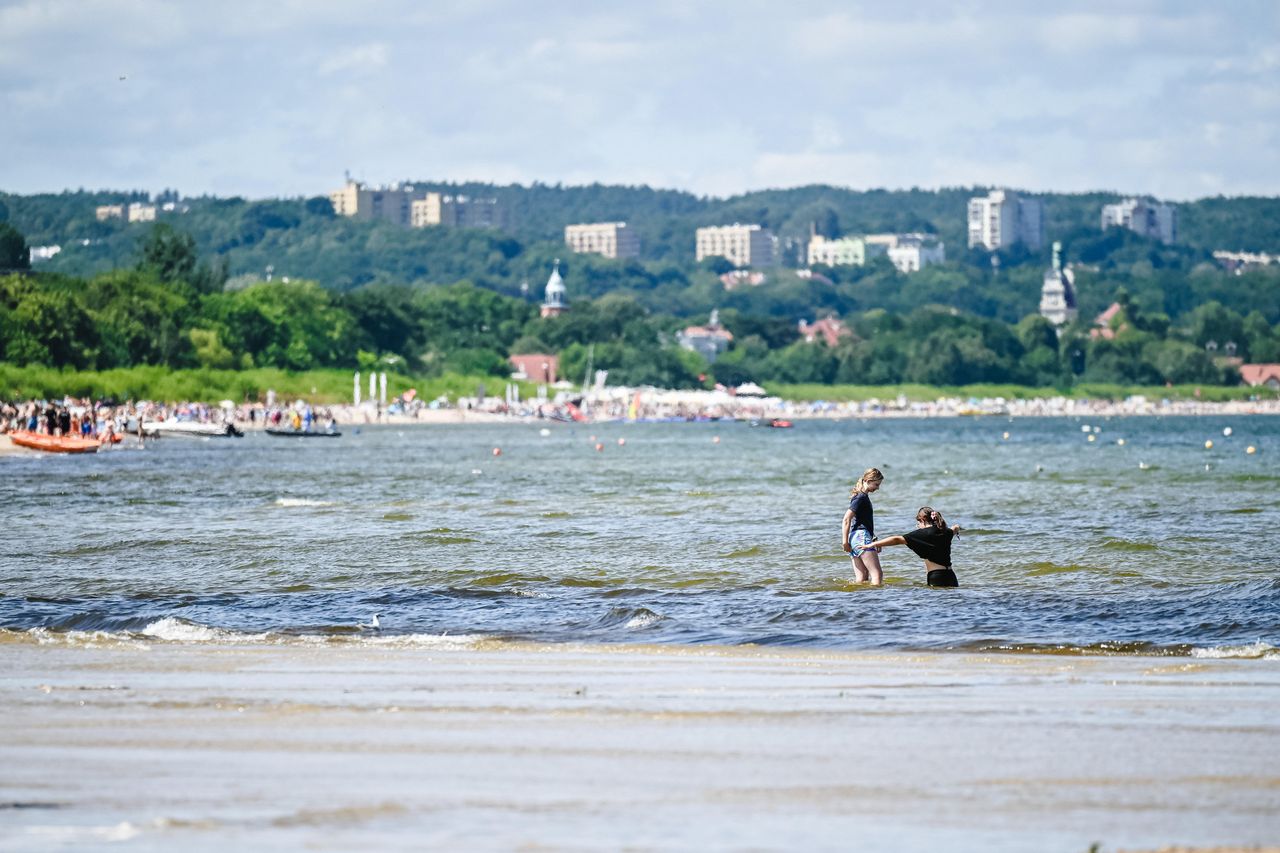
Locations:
{"points": [[104, 419], [90, 418]]}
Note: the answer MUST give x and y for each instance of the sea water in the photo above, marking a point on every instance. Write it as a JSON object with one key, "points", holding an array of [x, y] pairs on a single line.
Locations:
{"points": [[687, 534]]}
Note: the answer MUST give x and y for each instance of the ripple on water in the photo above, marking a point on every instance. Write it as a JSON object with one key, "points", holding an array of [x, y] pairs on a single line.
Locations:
{"points": [[1128, 545], [1040, 569]]}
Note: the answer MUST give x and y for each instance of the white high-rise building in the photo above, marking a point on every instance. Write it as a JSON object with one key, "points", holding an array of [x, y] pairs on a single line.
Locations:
{"points": [[1003, 218], [611, 239], [1148, 218], [742, 245]]}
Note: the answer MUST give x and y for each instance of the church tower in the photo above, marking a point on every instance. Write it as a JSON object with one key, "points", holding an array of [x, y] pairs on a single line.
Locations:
{"points": [[555, 304], [1058, 296]]}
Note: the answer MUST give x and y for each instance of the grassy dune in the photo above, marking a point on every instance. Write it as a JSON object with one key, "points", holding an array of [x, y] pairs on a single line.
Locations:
{"points": [[162, 383]]}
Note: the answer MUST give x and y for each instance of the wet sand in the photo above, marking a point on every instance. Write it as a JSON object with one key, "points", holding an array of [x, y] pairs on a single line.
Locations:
{"points": [[421, 744]]}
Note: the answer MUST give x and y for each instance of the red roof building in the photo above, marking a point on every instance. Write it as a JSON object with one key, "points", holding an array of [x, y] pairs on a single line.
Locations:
{"points": [[536, 368], [1261, 374], [1102, 324], [829, 328]]}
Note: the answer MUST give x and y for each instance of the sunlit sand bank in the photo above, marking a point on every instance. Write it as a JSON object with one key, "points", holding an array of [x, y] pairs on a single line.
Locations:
{"points": [[449, 744]]}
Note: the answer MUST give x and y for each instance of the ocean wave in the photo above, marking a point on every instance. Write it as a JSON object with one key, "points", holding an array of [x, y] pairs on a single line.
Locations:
{"points": [[182, 632], [172, 629], [294, 502], [1255, 651]]}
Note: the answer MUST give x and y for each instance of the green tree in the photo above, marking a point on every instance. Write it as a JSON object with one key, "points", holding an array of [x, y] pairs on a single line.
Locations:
{"points": [[14, 254], [168, 254], [44, 323]]}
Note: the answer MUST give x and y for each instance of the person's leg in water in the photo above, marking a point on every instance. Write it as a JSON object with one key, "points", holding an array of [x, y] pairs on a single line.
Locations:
{"points": [[860, 572], [871, 564]]}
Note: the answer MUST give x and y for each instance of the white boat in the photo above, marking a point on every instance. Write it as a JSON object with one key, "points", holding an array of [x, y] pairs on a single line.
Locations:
{"points": [[190, 429]]}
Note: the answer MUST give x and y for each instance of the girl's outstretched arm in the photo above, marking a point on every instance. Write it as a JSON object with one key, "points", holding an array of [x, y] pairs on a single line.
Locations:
{"points": [[891, 540]]}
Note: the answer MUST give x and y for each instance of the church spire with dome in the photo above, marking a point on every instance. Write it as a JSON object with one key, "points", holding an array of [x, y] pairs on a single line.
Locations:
{"points": [[555, 303], [1058, 295]]}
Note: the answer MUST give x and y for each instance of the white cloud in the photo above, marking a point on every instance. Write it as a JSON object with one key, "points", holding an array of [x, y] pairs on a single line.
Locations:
{"points": [[267, 99], [365, 57]]}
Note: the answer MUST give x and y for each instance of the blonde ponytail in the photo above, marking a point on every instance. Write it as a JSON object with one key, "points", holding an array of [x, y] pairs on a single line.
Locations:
{"points": [[871, 475]]}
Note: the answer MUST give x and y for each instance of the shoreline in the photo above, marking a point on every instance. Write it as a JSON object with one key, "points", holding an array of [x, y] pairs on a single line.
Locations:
{"points": [[530, 746]]}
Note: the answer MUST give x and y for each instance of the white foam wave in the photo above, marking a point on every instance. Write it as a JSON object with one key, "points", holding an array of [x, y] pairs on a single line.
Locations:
{"points": [[426, 641], [179, 631], [81, 639], [1257, 651], [301, 502], [84, 834], [644, 620]]}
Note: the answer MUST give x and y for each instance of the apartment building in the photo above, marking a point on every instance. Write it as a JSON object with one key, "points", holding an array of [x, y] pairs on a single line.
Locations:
{"points": [[142, 212], [405, 204], [1003, 218], [132, 212], [1143, 216], [392, 203], [842, 251], [611, 239], [907, 252], [741, 245], [456, 211]]}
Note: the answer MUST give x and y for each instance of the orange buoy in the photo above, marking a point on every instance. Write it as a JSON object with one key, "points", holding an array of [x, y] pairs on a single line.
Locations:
{"points": [[497, 451], [599, 447]]}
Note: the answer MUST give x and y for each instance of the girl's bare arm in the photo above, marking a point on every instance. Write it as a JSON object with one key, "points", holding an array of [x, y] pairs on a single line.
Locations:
{"points": [[892, 540]]}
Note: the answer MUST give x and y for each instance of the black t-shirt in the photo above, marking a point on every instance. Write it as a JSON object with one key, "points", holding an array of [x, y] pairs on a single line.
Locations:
{"points": [[931, 544], [860, 505]]}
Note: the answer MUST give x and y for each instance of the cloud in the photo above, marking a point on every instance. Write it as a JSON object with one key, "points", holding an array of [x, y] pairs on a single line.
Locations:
{"points": [[1171, 98], [365, 57]]}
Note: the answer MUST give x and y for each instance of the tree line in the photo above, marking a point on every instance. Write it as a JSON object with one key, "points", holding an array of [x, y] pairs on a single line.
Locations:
{"points": [[169, 307]]}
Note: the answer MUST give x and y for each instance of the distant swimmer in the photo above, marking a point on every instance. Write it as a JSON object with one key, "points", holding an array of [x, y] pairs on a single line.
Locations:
{"points": [[374, 624], [857, 530], [931, 541]]}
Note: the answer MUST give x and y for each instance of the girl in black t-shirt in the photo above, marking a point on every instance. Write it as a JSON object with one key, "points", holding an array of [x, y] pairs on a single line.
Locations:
{"points": [[931, 541]]}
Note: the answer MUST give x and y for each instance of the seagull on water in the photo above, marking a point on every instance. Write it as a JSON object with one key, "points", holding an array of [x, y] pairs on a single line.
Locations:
{"points": [[374, 625]]}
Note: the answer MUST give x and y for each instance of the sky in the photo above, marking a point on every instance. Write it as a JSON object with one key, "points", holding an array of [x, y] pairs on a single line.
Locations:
{"points": [[1177, 100]]}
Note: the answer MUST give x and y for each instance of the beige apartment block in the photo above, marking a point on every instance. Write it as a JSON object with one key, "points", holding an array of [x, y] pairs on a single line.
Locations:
{"points": [[109, 211], [742, 245], [142, 212], [611, 239], [460, 211], [391, 203]]}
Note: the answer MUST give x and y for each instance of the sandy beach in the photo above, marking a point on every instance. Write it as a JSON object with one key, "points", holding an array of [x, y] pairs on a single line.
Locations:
{"points": [[421, 743]]}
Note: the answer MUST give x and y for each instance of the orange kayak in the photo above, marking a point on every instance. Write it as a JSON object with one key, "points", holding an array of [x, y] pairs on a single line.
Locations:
{"points": [[54, 443]]}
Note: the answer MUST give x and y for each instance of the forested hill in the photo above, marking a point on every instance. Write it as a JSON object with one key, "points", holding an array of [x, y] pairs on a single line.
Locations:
{"points": [[665, 219], [301, 238]]}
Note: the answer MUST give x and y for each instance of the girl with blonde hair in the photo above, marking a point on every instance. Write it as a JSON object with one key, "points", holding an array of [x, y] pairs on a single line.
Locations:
{"points": [[857, 530]]}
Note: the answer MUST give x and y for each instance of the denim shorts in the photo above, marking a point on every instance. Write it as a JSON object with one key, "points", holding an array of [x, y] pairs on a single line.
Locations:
{"points": [[859, 541]]}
